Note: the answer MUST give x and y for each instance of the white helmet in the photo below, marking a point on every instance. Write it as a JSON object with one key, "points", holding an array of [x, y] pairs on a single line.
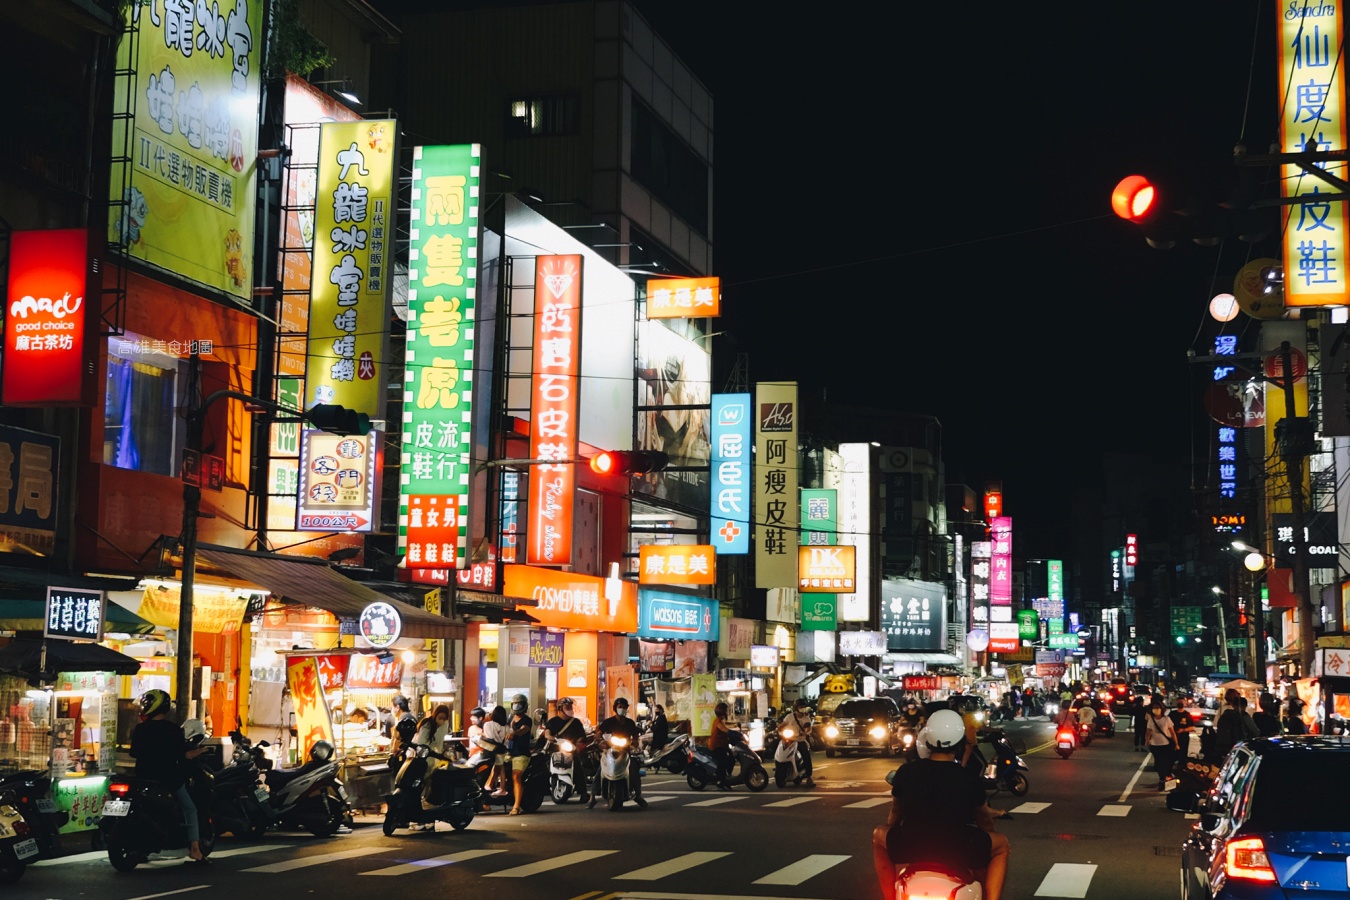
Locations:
{"points": [[193, 728], [945, 731]]}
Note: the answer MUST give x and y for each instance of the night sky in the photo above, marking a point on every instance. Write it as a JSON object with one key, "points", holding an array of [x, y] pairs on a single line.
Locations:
{"points": [[912, 211]]}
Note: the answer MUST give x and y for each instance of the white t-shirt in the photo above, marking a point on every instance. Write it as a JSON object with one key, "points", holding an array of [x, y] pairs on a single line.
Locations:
{"points": [[498, 733]]}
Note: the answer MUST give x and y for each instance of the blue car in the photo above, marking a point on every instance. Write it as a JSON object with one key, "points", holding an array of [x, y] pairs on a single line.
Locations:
{"points": [[1276, 824]]}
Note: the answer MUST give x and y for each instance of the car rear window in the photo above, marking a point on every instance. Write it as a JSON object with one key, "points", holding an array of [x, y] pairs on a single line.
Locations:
{"points": [[862, 709], [1302, 791]]}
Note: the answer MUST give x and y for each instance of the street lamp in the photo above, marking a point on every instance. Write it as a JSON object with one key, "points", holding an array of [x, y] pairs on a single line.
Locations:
{"points": [[1255, 562]]}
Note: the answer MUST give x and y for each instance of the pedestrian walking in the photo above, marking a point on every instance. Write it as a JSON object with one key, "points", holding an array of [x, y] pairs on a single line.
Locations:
{"points": [[1138, 724], [1162, 741]]}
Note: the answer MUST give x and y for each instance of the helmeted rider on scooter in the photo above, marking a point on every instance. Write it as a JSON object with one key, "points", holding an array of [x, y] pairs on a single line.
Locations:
{"points": [[939, 815], [567, 727], [159, 746], [801, 719], [620, 724]]}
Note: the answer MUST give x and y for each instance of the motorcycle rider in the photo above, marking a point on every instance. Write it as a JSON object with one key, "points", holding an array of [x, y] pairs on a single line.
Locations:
{"points": [[159, 747], [913, 715], [939, 815], [801, 719], [620, 724], [659, 734], [431, 732], [567, 727], [518, 744]]}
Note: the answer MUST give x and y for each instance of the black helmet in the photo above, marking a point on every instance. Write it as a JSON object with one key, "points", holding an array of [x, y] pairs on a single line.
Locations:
{"points": [[519, 704], [322, 751], [800, 704], [154, 702], [620, 703]]}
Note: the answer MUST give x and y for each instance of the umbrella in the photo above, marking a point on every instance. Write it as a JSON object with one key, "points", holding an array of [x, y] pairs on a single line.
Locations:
{"points": [[1241, 685], [22, 657]]}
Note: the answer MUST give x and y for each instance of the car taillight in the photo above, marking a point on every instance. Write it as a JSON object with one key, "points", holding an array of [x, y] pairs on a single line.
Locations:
{"points": [[119, 788], [1246, 859]]}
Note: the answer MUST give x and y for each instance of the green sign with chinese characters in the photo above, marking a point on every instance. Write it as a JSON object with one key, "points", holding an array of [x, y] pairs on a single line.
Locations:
{"points": [[1186, 620], [820, 518], [1063, 641], [1028, 625]]}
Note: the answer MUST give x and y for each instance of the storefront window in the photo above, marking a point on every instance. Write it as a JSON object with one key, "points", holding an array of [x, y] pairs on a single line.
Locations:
{"points": [[142, 429]]}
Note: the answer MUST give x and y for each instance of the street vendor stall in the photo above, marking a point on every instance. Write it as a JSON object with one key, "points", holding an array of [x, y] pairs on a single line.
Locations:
{"points": [[59, 714]]}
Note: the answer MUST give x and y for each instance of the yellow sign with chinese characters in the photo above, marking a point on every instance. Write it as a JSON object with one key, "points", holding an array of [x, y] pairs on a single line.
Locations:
{"points": [[353, 266]]}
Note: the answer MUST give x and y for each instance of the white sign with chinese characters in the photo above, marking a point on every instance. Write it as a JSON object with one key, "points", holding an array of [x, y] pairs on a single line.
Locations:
{"points": [[74, 614]]}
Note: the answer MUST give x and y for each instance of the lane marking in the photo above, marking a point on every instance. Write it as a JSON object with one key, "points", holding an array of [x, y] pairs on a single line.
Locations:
{"points": [[73, 858], [845, 762], [242, 851], [1148, 758], [1111, 809], [548, 865], [791, 801], [1066, 880], [1031, 807], [658, 798], [802, 869], [671, 866], [317, 859], [867, 804], [715, 801], [195, 887], [666, 895], [432, 863]]}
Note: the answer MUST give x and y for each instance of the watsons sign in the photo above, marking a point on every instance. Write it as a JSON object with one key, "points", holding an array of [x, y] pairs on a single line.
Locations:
{"points": [[676, 616]]}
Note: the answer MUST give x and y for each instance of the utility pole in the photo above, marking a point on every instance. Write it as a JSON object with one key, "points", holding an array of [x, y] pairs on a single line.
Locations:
{"points": [[1292, 450], [192, 504]]}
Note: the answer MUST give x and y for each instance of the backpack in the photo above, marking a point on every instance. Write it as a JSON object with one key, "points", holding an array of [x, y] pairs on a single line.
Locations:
{"points": [[405, 729]]}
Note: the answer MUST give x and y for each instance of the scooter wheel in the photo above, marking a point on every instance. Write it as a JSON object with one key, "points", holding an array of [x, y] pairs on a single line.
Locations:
{"points": [[1018, 786], [695, 781], [11, 871], [123, 858], [562, 792], [391, 823], [780, 775], [757, 779], [460, 820], [1064, 754], [675, 764]]}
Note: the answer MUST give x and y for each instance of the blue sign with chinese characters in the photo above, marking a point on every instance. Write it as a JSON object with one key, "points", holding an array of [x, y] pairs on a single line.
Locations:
{"points": [[730, 459], [682, 617]]}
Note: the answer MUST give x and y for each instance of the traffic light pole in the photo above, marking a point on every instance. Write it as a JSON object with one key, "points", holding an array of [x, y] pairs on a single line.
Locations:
{"points": [[1293, 467]]}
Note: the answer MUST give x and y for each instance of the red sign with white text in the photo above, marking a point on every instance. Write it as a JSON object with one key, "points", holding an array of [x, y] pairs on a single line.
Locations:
{"points": [[365, 670], [553, 415], [433, 530], [46, 317]]}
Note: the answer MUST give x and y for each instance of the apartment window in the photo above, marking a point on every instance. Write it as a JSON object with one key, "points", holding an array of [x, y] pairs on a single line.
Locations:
{"points": [[543, 116], [141, 426], [665, 165]]}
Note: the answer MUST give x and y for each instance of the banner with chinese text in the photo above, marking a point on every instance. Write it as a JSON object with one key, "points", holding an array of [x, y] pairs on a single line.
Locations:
{"points": [[776, 477]]}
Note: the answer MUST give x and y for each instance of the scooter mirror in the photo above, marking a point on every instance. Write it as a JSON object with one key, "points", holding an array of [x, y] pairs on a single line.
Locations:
{"points": [[890, 776]]}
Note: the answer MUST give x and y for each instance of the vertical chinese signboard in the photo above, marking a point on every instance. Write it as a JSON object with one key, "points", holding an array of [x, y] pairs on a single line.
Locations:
{"points": [[438, 396], [981, 555], [730, 525], [1000, 571], [1312, 93], [820, 522], [349, 285], [855, 528], [183, 201], [553, 414], [312, 722], [47, 318], [29, 465], [339, 481], [776, 501]]}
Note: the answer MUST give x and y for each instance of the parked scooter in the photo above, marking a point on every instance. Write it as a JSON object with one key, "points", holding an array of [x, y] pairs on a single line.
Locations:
{"points": [[925, 880], [452, 788], [311, 797], [788, 764], [615, 761], [142, 817], [671, 757], [18, 848], [30, 793], [240, 805], [746, 768], [1066, 740]]}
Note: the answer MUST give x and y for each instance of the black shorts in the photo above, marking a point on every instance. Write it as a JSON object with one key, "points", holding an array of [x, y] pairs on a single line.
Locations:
{"points": [[959, 847]]}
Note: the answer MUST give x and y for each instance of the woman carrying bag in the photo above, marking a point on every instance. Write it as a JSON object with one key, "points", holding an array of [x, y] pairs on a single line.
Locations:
{"points": [[1162, 741]]}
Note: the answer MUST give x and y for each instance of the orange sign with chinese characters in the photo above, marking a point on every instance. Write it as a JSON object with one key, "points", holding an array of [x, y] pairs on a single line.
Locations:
{"points": [[684, 298], [826, 569], [553, 413], [312, 722], [677, 564]]}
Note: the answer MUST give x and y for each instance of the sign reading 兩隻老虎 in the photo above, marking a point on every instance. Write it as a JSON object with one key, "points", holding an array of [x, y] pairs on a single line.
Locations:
{"points": [[182, 197]]}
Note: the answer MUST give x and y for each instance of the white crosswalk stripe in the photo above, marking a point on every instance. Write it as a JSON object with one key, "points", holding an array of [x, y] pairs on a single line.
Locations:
{"points": [[422, 865], [715, 801], [869, 803], [802, 869], [1030, 808], [1067, 880], [317, 859], [1114, 809], [671, 866], [792, 801], [548, 865]]}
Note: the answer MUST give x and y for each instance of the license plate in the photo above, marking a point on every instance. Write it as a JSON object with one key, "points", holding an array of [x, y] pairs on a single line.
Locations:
{"points": [[262, 795], [1063, 744], [46, 806], [116, 807], [852, 742], [26, 849]]}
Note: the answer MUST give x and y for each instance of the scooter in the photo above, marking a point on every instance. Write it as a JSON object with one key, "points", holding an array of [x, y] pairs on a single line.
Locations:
{"points": [[240, 805], [563, 756], [615, 761], [671, 757], [30, 793], [746, 768], [311, 797], [452, 789], [1066, 740], [17, 846], [787, 762], [535, 782], [930, 881], [1004, 770], [1051, 709], [142, 817], [1084, 733]]}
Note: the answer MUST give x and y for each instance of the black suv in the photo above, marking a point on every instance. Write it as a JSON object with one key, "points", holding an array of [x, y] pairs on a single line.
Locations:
{"points": [[866, 725]]}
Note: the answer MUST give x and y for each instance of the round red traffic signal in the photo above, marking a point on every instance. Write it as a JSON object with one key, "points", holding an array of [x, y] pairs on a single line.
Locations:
{"points": [[603, 463], [1134, 198]]}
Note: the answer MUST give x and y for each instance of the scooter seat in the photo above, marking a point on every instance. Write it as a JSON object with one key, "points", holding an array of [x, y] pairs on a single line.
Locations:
{"points": [[276, 778]]}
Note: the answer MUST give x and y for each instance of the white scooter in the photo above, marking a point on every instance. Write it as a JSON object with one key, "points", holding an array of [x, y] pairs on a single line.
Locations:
{"points": [[614, 762], [672, 756], [787, 762], [925, 881]]}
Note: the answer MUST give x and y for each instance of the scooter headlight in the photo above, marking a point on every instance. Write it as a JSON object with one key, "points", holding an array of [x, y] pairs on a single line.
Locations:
{"points": [[617, 742], [878, 731], [787, 734], [909, 739], [831, 732], [565, 746], [979, 716]]}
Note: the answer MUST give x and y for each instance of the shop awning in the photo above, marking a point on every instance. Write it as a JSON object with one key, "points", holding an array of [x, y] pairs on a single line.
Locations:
{"points": [[23, 657], [26, 615], [312, 582]]}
